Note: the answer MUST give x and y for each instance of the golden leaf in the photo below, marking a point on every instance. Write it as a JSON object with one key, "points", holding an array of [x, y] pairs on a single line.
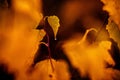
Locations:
{"points": [[19, 40], [114, 31], [44, 71], [113, 8], [54, 23], [89, 59]]}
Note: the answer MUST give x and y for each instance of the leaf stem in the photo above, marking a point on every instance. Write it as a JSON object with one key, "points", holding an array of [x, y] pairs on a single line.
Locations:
{"points": [[49, 52], [48, 46], [44, 43]]}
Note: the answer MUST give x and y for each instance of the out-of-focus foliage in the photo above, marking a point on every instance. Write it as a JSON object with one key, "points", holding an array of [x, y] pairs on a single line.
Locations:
{"points": [[31, 8], [19, 42], [44, 71], [54, 23], [113, 7], [114, 31], [90, 59], [19, 39]]}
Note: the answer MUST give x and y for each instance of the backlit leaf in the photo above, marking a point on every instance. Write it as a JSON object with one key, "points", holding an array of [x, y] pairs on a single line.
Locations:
{"points": [[113, 8], [89, 58], [114, 31], [54, 23], [44, 71]]}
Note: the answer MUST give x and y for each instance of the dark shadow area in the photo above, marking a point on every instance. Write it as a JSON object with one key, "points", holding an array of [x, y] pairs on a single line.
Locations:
{"points": [[115, 53], [4, 74]]}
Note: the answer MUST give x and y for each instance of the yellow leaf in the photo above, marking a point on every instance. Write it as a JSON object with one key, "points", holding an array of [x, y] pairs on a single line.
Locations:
{"points": [[114, 31], [54, 23]]}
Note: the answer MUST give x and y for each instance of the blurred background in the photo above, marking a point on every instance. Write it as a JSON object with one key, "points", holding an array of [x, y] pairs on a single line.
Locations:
{"points": [[19, 38]]}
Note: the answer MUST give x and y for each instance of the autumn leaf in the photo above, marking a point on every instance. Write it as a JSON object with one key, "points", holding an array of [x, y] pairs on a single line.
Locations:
{"points": [[43, 71], [19, 38], [113, 8], [89, 58], [54, 23], [114, 31]]}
